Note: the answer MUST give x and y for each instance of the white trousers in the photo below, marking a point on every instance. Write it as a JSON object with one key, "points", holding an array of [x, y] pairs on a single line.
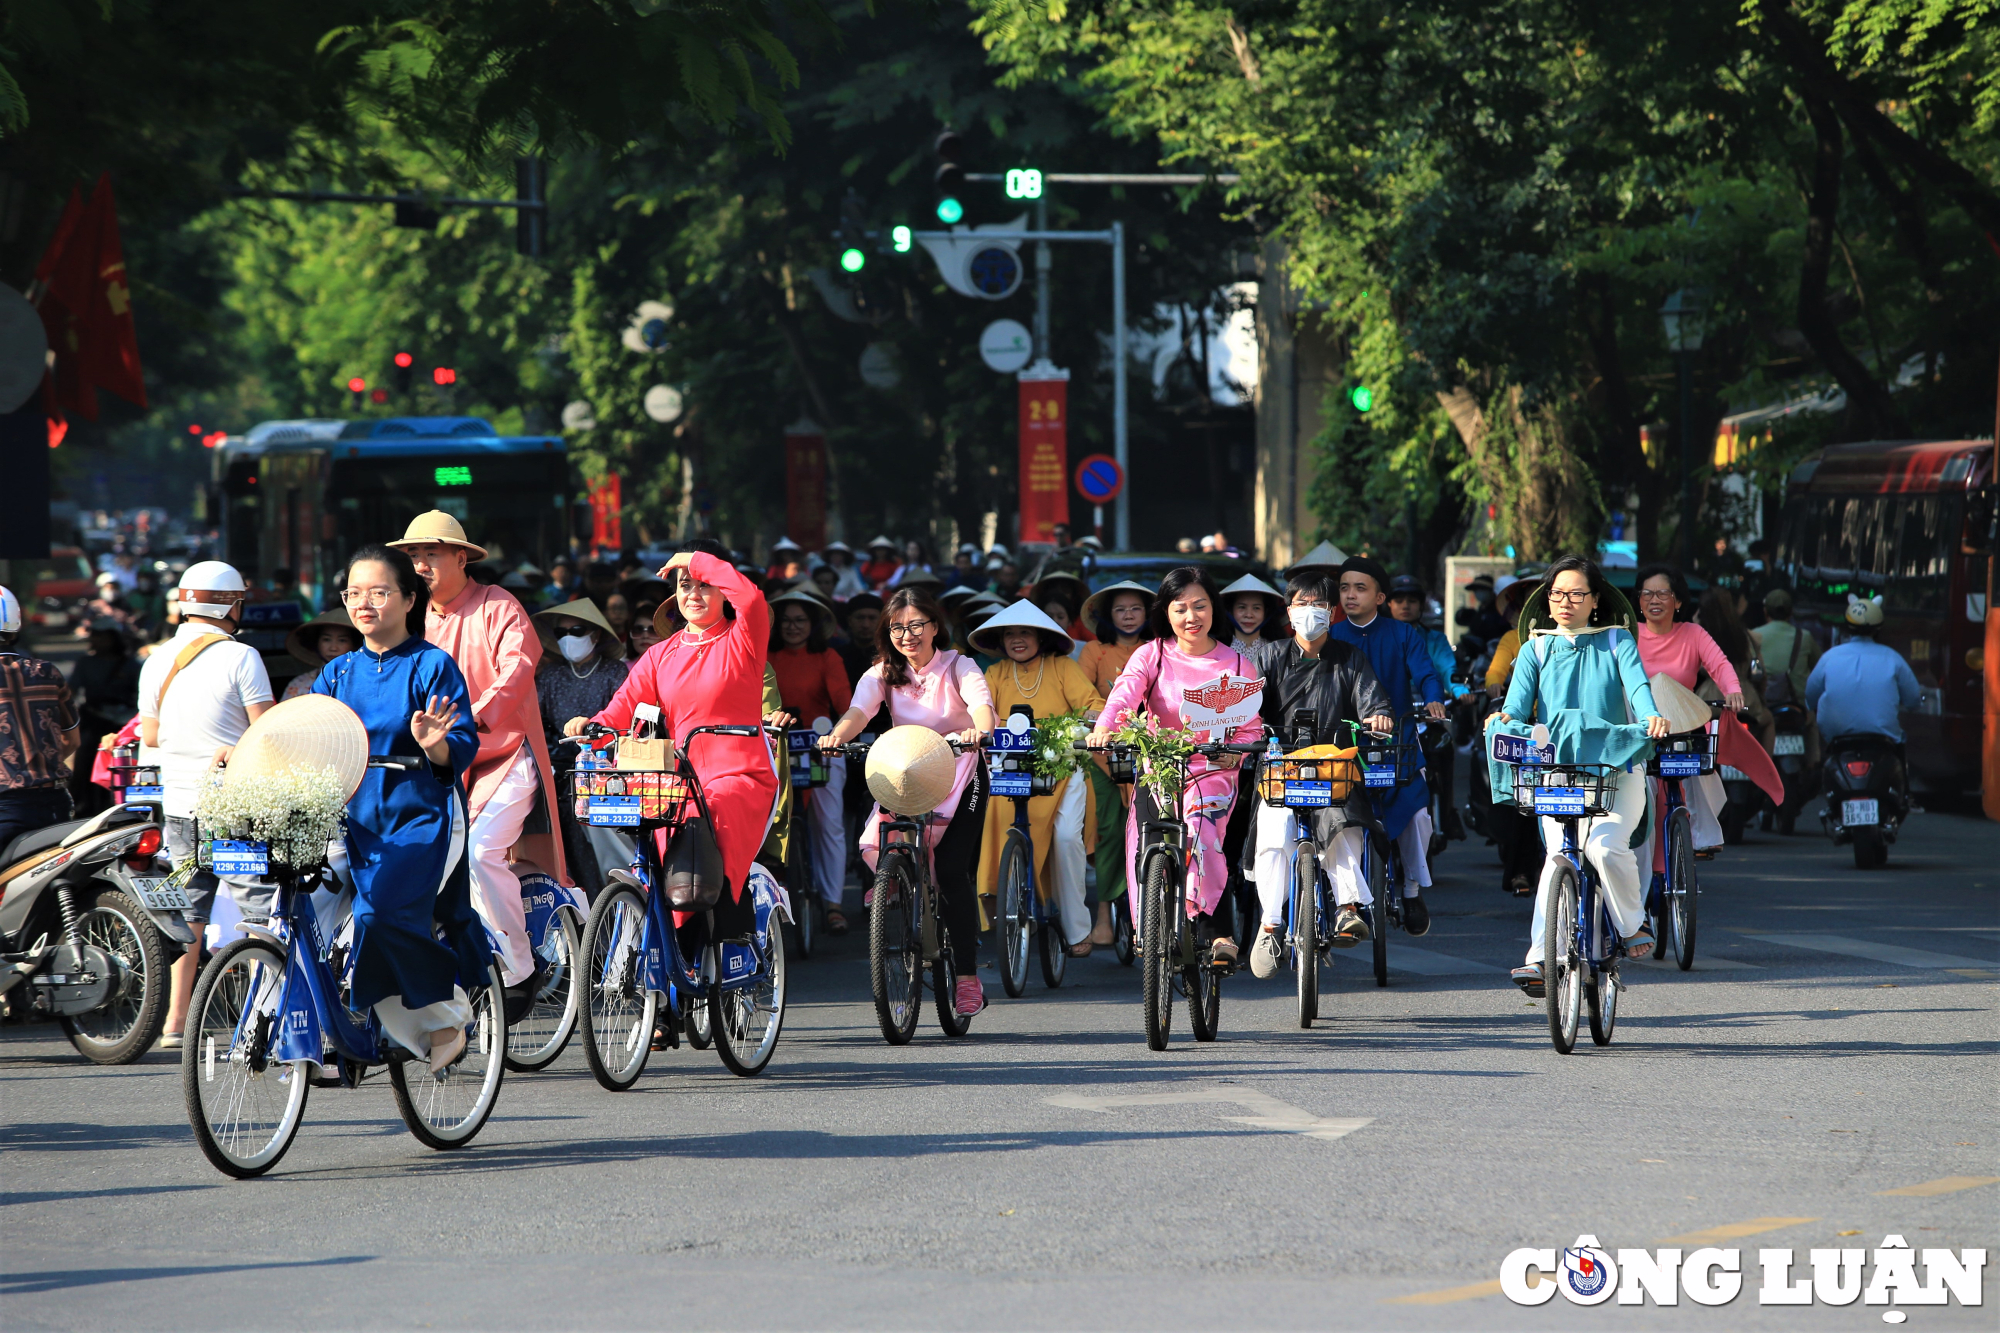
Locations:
{"points": [[1066, 859], [1607, 845], [826, 815], [1277, 835], [411, 1028], [1414, 842], [496, 889]]}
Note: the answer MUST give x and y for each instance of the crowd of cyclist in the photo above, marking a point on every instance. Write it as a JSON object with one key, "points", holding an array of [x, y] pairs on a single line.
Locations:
{"points": [[869, 643]]}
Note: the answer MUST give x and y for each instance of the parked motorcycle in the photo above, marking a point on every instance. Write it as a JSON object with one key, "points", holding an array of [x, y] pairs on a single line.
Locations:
{"points": [[1788, 752], [1867, 795], [85, 925]]}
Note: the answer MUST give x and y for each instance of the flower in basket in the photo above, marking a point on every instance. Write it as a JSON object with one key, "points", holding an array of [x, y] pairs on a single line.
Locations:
{"points": [[1162, 752], [295, 811], [1054, 755]]}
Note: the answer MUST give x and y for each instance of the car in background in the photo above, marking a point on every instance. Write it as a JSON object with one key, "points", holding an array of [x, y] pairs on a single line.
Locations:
{"points": [[1151, 567], [52, 590]]}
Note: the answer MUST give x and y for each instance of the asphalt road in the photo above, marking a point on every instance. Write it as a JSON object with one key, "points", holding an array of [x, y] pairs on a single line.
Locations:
{"points": [[1835, 1044]]}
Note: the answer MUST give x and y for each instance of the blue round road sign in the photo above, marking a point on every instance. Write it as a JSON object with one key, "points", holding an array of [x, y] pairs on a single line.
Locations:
{"points": [[1099, 479]]}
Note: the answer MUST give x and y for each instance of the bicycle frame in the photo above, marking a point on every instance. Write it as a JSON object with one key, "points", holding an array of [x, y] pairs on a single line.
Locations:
{"points": [[1596, 941]]}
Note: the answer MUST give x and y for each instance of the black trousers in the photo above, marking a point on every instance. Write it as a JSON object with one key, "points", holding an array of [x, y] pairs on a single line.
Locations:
{"points": [[957, 862], [25, 809]]}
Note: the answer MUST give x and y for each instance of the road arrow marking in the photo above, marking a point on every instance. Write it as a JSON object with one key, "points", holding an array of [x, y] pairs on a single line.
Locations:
{"points": [[1271, 1113]]}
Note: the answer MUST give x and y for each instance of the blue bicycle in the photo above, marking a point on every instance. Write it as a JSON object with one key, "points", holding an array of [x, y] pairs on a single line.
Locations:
{"points": [[1388, 764], [1022, 912], [631, 959], [1580, 943], [1674, 894], [270, 1020], [1304, 782]]}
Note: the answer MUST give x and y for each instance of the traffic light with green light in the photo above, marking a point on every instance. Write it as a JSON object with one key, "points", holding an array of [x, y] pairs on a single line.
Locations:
{"points": [[949, 178], [852, 260], [1362, 397]]}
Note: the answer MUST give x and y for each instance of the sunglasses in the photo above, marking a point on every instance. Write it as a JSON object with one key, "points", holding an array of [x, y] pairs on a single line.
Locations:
{"points": [[575, 632]]}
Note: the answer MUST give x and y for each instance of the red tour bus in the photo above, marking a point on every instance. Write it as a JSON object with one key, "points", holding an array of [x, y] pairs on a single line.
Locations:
{"points": [[1913, 521]]}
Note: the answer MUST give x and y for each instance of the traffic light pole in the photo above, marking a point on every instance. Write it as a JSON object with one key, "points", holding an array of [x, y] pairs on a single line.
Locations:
{"points": [[1120, 402]]}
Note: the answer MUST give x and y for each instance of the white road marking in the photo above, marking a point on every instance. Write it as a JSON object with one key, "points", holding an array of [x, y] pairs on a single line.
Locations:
{"points": [[1877, 952], [1271, 1113], [1430, 963], [1702, 963]]}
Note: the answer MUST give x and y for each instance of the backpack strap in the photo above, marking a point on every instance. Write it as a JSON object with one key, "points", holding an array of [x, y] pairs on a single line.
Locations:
{"points": [[185, 656]]}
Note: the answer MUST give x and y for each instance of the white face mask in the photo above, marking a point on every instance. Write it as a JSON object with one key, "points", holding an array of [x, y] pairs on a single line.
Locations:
{"points": [[577, 649], [1309, 622]]}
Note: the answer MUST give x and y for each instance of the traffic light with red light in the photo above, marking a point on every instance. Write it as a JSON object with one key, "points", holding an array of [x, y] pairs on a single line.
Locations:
{"points": [[401, 376], [443, 376]]}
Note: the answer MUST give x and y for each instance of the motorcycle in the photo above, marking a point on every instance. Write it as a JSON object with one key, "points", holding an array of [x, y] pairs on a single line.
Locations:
{"points": [[85, 922], [1867, 796], [1788, 752]]}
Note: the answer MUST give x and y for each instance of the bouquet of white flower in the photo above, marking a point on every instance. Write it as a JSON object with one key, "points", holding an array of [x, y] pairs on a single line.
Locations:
{"points": [[296, 812]]}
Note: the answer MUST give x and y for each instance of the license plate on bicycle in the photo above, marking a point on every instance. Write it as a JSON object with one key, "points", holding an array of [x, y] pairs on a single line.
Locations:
{"points": [[1680, 765], [161, 894], [143, 796], [1308, 795], [1559, 801], [1383, 776], [251, 859], [1860, 812], [612, 812], [1013, 784], [1789, 744]]}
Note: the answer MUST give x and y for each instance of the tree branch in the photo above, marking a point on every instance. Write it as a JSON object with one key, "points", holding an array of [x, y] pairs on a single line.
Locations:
{"points": [[1865, 395]]}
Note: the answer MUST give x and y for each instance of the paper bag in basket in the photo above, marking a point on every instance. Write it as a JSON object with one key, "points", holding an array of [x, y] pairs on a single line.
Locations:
{"points": [[645, 750]]}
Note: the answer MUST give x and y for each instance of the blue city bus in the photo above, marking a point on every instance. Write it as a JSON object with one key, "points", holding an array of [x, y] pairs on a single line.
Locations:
{"points": [[303, 495]]}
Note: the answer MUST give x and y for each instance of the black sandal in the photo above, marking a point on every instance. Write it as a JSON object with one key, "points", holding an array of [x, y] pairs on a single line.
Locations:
{"points": [[836, 921], [1529, 979]]}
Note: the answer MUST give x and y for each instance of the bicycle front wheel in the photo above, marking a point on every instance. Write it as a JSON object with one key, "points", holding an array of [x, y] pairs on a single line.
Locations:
{"points": [[1305, 932], [1682, 889], [1601, 993], [1562, 966], [448, 1110], [1156, 949], [895, 950], [1204, 996], [245, 1108], [1014, 917], [619, 1011], [543, 1032]]}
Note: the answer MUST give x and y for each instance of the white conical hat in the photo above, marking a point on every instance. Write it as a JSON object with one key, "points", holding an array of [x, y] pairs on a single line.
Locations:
{"points": [[1324, 556], [1251, 583], [911, 770], [1022, 613], [309, 732]]}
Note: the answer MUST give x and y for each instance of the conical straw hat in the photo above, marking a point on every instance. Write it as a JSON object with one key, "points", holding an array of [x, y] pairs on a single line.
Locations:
{"points": [[911, 770], [1324, 556], [1683, 709], [311, 732], [436, 526], [1022, 614]]}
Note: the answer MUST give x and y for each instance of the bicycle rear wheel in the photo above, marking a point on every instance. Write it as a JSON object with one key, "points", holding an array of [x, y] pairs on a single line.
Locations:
{"points": [[619, 1011], [799, 881], [1378, 913], [700, 1033], [1156, 950], [746, 1020], [245, 1110], [1683, 891], [1561, 967], [895, 952], [543, 1032], [448, 1110], [1305, 932], [1054, 948], [1013, 914], [1121, 930]]}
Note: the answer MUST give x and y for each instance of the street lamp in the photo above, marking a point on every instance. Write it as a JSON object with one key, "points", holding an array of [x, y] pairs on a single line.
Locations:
{"points": [[1682, 317]]}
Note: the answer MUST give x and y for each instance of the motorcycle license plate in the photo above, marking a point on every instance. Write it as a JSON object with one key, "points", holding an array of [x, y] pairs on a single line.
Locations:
{"points": [[1789, 744], [1308, 795], [1680, 765], [1559, 801], [161, 894], [1860, 812], [1384, 776], [612, 812], [244, 859]]}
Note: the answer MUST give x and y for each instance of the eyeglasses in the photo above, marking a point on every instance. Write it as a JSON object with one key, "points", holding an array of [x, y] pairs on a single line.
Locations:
{"points": [[375, 597], [910, 629], [1570, 598], [1650, 596]]}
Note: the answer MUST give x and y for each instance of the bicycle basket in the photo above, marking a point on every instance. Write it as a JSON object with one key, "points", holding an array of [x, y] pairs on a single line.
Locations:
{"points": [[1310, 779], [609, 799], [1685, 754], [1567, 791], [1389, 765]]}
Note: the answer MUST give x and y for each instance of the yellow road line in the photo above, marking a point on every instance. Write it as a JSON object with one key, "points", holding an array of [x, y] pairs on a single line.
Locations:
{"points": [[1467, 1293], [1944, 1185], [1734, 1231]]}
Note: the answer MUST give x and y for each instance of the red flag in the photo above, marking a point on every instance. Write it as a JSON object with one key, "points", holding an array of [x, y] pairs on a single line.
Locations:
{"points": [[86, 306], [805, 483], [65, 227], [111, 342], [70, 391]]}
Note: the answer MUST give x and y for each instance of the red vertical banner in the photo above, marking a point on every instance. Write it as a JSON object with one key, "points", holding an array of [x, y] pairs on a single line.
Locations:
{"points": [[1044, 452], [607, 529], [805, 483]]}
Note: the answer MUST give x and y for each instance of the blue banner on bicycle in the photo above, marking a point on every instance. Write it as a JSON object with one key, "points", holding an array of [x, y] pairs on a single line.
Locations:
{"points": [[1520, 750], [1010, 773]]}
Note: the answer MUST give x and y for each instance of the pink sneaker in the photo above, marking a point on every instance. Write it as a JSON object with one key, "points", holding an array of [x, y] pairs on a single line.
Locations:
{"points": [[971, 996]]}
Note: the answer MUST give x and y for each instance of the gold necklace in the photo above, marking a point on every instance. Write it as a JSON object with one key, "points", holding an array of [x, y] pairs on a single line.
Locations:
{"points": [[1023, 690]]}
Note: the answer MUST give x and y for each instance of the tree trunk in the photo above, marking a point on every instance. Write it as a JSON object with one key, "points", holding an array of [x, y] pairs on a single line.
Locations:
{"points": [[1627, 451], [1866, 398]]}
